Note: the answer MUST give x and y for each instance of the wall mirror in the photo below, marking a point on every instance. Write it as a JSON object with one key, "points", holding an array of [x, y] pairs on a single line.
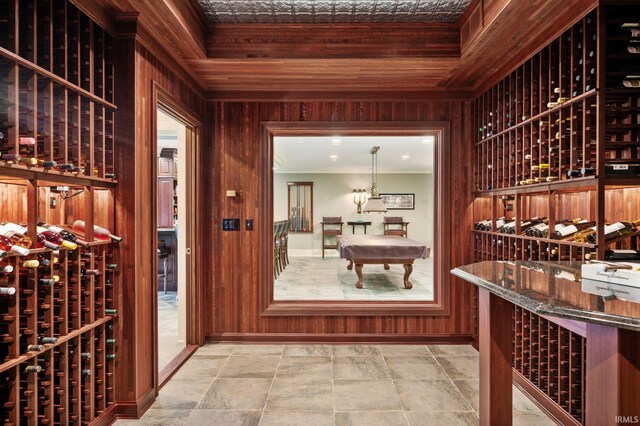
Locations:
{"points": [[331, 248]]}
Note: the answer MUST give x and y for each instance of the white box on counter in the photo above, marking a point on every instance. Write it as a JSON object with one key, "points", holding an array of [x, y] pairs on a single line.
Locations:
{"points": [[607, 272], [610, 290]]}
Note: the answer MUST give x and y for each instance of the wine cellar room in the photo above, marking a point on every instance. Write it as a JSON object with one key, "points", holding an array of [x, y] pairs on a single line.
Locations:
{"points": [[143, 254]]}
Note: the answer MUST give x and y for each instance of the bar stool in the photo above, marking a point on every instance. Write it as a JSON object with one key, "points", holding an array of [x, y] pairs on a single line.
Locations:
{"points": [[163, 254]]}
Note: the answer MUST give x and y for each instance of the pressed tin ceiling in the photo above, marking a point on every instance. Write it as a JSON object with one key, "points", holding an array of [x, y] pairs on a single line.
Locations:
{"points": [[333, 11]]}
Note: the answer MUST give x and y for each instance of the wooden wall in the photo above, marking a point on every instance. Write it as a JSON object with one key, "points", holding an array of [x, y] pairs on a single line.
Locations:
{"points": [[138, 71], [232, 293]]}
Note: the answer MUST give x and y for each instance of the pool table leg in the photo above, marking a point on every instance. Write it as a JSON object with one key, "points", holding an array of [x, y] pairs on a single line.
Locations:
{"points": [[350, 264], [408, 268], [359, 273]]}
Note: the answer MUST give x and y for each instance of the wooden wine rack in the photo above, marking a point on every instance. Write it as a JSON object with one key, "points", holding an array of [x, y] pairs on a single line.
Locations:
{"points": [[57, 86], [520, 123]]}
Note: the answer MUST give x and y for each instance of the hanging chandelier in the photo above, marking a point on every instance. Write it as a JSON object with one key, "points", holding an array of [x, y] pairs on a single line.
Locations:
{"points": [[374, 204]]}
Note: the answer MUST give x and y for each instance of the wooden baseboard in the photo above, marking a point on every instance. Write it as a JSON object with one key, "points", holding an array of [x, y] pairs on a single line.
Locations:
{"points": [[542, 400], [456, 339], [175, 364], [135, 410], [109, 416]]}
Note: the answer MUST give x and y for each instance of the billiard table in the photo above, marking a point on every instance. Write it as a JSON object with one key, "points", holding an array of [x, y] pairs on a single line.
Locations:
{"points": [[380, 250]]}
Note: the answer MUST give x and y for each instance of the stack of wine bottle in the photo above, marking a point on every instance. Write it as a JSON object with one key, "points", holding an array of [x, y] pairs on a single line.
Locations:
{"points": [[577, 230]]}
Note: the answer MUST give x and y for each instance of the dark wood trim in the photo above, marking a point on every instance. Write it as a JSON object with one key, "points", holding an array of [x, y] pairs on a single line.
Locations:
{"points": [[135, 409], [328, 338], [175, 364], [328, 95], [496, 342], [441, 303], [613, 374], [107, 417], [162, 98], [337, 40], [542, 400]]}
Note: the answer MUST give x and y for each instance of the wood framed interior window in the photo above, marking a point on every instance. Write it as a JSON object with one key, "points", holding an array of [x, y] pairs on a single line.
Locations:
{"points": [[300, 208], [440, 305]]}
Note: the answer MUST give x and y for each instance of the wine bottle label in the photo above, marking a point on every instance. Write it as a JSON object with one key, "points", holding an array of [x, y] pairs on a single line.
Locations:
{"points": [[50, 245], [551, 105], [30, 264], [567, 230], [563, 100], [631, 83], [625, 252], [618, 226], [7, 269]]}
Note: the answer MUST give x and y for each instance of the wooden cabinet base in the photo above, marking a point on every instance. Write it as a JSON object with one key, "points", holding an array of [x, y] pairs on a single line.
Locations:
{"points": [[613, 375], [496, 342]]}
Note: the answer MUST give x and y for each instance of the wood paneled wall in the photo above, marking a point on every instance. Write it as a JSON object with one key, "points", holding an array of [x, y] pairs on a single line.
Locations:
{"points": [[233, 310], [138, 70]]}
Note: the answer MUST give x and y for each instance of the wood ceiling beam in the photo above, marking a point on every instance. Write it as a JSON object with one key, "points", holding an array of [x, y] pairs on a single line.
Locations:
{"points": [[329, 41]]}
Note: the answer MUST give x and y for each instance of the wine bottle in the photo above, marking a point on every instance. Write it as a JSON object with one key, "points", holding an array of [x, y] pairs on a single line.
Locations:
{"points": [[568, 231], [617, 255], [47, 164], [32, 369], [573, 173], [14, 158], [33, 348], [587, 171], [98, 232], [7, 291], [615, 230], [64, 233], [56, 238], [110, 356], [85, 355], [111, 312], [32, 263], [43, 340], [87, 272], [66, 167], [7, 245], [17, 238], [27, 141], [28, 161]]}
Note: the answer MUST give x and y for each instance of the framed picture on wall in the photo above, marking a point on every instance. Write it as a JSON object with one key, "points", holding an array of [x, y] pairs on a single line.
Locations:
{"points": [[399, 201]]}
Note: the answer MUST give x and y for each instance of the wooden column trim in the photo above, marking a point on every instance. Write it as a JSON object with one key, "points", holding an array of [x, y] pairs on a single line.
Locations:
{"points": [[496, 342], [613, 364]]}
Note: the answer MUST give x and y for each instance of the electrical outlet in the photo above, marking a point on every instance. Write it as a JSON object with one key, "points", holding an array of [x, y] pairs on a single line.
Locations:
{"points": [[248, 224], [53, 202]]}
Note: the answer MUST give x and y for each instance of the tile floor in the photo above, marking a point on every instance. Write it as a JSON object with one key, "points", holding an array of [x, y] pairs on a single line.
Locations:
{"points": [[309, 385], [314, 278], [169, 344]]}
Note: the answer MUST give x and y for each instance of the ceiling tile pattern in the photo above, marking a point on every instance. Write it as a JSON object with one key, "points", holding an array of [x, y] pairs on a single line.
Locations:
{"points": [[333, 11]]}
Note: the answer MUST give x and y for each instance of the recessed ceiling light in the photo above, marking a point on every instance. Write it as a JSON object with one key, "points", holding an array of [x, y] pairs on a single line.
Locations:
{"points": [[406, 157], [428, 139], [333, 157], [336, 141]]}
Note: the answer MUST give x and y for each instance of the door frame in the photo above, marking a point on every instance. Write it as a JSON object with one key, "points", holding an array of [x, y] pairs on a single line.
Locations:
{"points": [[163, 99]]}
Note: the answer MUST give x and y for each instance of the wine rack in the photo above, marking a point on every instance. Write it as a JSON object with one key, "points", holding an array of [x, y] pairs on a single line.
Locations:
{"points": [[558, 139], [58, 307]]}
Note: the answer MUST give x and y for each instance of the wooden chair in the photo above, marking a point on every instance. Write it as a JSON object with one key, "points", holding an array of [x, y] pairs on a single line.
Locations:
{"points": [[331, 227], [394, 225]]}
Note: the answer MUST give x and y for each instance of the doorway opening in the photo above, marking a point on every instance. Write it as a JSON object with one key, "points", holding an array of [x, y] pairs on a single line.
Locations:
{"points": [[172, 234]]}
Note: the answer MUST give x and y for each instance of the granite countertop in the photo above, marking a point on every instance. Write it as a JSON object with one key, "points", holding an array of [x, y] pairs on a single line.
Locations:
{"points": [[554, 289]]}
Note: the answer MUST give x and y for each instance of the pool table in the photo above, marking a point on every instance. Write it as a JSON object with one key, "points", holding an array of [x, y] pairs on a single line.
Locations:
{"points": [[381, 250]]}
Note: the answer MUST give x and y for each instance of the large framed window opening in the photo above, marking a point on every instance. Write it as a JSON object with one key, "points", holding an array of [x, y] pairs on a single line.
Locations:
{"points": [[441, 303]]}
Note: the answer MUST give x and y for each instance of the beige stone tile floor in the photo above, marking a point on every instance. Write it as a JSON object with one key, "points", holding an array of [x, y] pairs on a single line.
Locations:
{"points": [[314, 278], [313, 385]]}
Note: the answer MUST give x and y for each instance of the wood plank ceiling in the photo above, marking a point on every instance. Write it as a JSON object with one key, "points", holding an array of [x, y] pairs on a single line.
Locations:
{"points": [[328, 49]]}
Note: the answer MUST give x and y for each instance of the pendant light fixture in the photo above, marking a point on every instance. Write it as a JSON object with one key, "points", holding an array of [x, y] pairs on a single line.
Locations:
{"points": [[374, 204]]}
